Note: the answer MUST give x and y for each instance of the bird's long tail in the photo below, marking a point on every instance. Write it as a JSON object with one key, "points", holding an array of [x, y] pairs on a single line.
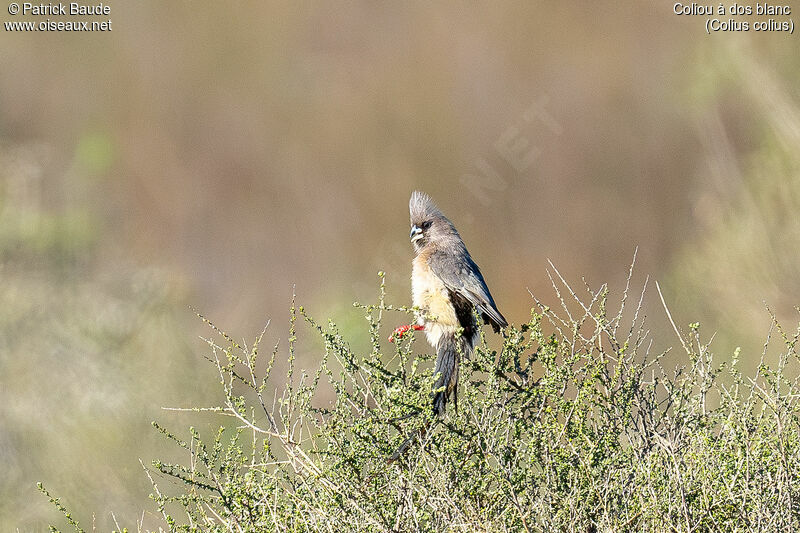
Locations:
{"points": [[448, 354]]}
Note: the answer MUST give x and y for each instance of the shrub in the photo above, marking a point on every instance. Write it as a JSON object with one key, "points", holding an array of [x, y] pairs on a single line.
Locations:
{"points": [[572, 425]]}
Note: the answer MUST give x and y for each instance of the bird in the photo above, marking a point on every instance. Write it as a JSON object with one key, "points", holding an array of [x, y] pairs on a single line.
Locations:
{"points": [[448, 288]]}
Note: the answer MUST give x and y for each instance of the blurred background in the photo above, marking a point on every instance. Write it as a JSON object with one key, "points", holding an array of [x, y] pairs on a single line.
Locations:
{"points": [[223, 155]]}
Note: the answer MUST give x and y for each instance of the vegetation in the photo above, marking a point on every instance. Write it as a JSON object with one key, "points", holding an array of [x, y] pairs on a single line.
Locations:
{"points": [[573, 424], [163, 170]]}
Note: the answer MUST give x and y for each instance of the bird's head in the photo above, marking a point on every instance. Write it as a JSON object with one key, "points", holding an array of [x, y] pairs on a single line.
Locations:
{"points": [[428, 224]]}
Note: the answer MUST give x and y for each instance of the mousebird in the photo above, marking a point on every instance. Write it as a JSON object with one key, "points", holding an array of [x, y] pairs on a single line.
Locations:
{"points": [[448, 288]]}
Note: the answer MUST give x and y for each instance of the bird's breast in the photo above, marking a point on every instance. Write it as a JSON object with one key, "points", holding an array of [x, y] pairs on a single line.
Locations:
{"points": [[431, 295]]}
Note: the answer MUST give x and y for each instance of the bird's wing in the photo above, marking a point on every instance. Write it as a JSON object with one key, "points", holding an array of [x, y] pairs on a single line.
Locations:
{"points": [[459, 273]]}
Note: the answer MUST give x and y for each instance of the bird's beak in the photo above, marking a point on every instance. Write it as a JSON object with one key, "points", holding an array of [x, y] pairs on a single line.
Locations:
{"points": [[416, 233]]}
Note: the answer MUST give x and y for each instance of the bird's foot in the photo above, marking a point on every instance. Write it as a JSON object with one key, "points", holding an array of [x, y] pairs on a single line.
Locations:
{"points": [[402, 330]]}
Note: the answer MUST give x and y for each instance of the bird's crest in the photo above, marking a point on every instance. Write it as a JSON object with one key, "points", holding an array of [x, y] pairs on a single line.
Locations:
{"points": [[421, 207]]}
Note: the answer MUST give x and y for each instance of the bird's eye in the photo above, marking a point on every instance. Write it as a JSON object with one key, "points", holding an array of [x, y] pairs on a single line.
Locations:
{"points": [[426, 224]]}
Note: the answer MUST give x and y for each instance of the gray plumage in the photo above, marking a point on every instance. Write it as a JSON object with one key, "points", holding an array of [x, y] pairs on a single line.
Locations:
{"points": [[448, 286]]}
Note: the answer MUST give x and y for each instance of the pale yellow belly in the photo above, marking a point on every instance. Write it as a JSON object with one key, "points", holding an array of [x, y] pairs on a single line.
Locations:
{"points": [[432, 297]]}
